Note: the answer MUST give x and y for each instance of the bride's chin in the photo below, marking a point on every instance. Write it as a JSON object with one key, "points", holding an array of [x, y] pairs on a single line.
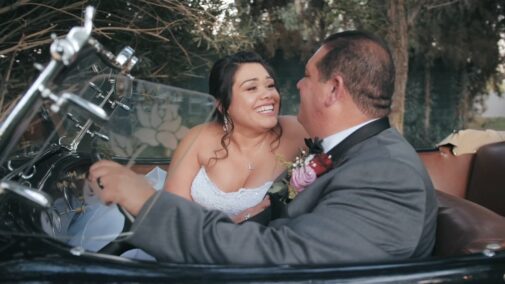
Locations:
{"points": [[272, 124]]}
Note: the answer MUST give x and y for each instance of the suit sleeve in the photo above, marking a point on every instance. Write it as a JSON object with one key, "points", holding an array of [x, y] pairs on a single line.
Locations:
{"points": [[337, 222]]}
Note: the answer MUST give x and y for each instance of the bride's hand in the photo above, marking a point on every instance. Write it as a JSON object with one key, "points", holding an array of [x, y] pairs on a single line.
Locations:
{"points": [[250, 212]]}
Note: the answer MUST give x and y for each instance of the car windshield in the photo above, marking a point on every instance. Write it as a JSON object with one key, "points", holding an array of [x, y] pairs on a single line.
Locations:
{"points": [[44, 175]]}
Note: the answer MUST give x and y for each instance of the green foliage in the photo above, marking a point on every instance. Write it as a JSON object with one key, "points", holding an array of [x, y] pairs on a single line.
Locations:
{"points": [[457, 40], [177, 41], [496, 123]]}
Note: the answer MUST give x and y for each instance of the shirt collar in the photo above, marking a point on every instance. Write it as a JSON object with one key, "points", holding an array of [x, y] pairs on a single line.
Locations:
{"points": [[333, 140]]}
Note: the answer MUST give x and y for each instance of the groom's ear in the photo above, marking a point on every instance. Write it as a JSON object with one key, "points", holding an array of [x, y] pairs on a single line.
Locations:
{"points": [[336, 90]]}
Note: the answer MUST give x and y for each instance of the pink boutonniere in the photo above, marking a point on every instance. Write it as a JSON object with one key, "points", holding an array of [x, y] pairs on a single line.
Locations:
{"points": [[305, 170], [308, 165]]}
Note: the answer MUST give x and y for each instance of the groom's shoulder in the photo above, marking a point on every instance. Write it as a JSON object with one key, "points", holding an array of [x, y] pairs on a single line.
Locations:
{"points": [[388, 147], [386, 142]]}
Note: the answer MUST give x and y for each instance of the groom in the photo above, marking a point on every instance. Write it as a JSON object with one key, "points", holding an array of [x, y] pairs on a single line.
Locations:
{"points": [[376, 203]]}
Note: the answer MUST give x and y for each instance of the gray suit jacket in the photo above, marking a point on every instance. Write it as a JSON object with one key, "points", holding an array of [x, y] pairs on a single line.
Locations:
{"points": [[378, 204]]}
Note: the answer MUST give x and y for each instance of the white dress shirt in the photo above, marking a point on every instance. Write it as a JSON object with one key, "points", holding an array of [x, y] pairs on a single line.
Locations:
{"points": [[333, 140]]}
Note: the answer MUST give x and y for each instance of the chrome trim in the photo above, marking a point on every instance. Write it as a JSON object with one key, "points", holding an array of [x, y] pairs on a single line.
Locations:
{"points": [[63, 51], [29, 176], [35, 196]]}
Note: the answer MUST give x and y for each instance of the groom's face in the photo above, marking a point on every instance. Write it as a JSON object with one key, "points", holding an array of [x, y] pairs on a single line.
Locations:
{"points": [[312, 91]]}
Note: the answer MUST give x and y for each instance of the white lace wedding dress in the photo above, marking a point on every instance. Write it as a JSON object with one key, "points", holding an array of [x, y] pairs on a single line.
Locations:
{"points": [[100, 224], [207, 194]]}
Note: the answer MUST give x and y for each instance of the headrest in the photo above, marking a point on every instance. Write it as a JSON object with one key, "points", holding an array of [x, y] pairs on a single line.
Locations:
{"points": [[485, 186]]}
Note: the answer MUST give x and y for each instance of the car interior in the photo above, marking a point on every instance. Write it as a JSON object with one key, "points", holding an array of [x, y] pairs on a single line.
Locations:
{"points": [[470, 194]]}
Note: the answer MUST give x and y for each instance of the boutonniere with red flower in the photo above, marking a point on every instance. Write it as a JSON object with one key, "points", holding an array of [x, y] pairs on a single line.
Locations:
{"points": [[307, 166]]}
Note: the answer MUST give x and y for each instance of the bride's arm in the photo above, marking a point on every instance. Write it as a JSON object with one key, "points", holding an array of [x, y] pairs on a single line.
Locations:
{"points": [[184, 164]]}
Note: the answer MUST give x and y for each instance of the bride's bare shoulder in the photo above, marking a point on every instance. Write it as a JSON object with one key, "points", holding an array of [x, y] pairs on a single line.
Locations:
{"points": [[205, 132], [291, 128], [292, 136]]}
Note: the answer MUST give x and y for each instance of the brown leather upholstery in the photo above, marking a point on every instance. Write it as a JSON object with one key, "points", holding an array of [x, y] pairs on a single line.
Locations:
{"points": [[487, 178], [449, 173], [465, 227]]}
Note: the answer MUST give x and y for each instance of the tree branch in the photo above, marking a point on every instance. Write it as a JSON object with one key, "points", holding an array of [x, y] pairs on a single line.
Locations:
{"points": [[7, 76], [181, 47], [414, 12], [13, 6], [441, 4], [63, 10]]}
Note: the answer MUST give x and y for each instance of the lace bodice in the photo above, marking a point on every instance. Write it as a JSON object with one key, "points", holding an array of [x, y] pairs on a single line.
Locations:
{"points": [[207, 194]]}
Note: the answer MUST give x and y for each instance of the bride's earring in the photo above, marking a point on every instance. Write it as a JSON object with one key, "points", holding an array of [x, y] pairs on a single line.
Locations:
{"points": [[226, 125]]}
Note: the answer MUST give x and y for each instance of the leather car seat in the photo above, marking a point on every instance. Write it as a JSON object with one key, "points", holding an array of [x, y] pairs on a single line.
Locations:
{"points": [[465, 227], [449, 173], [486, 184]]}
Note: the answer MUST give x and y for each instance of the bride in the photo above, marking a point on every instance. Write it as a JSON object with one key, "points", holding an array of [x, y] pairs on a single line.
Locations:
{"points": [[229, 164]]}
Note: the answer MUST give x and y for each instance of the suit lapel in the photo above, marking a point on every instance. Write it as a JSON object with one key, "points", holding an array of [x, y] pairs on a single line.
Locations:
{"points": [[308, 198], [371, 129], [300, 205]]}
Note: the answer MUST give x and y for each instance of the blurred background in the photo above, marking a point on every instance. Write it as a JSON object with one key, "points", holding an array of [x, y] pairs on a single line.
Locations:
{"points": [[449, 54]]}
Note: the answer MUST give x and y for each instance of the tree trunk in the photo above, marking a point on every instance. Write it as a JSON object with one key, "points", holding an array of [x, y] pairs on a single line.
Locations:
{"points": [[398, 40], [464, 102], [427, 98]]}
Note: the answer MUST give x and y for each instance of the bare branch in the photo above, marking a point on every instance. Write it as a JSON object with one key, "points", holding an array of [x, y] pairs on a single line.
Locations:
{"points": [[23, 44], [164, 26], [13, 6], [3, 91], [413, 12], [181, 47], [441, 4], [150, 32], [63, 10], [26, 46]]}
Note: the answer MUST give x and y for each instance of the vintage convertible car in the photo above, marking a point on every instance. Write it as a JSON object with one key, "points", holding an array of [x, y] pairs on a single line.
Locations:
{"points": [[84, 106]]}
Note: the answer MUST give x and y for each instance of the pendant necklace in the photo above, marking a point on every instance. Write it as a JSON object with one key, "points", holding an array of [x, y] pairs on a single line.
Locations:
{"points": [[250, 165]]}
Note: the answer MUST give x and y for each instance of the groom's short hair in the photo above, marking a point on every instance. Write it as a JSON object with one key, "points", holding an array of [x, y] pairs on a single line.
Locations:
{"points": [[365, 63]]}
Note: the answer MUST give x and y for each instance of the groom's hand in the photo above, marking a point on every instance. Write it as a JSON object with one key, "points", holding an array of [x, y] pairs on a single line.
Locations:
{"points": [[114, 183]]}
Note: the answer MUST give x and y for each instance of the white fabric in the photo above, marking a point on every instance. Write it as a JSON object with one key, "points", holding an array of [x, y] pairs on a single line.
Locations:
{"points": [[138, 254], [156, 177], [99, 224], [333, 140], [97, 227], [207, 194], [92, 229]]}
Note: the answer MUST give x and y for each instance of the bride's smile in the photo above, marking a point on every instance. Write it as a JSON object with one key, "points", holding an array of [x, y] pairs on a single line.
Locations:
{"points": [[255, 100]]}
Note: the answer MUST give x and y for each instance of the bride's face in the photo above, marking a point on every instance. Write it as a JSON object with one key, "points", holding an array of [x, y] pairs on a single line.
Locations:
{"points": [[255, 100]]}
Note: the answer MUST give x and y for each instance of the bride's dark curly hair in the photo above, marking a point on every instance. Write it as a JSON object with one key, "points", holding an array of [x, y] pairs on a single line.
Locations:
{"points": [[221, 79]]}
